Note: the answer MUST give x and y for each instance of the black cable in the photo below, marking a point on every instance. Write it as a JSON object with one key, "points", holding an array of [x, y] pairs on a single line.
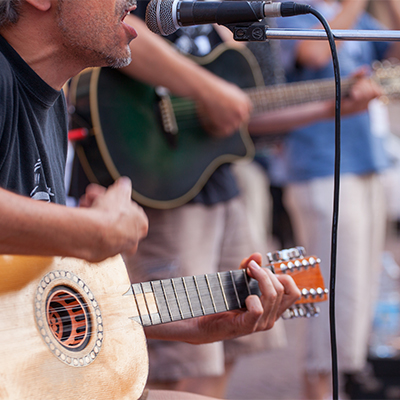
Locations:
{"points": [[332, 283]]}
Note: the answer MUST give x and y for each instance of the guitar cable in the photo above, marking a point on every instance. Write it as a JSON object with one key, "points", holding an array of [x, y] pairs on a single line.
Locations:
{"points": [[336, 190]]}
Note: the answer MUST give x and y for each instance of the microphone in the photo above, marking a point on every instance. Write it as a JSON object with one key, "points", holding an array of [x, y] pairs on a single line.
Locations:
{"points": [[164, 17]]}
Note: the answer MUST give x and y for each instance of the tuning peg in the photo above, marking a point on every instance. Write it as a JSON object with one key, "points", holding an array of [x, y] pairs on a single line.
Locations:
{"points": [[301, 311], [283, 267], [315, 310], [311, 310], [312, 261], [290, 265], [292, 253], [298, 264], [301, 250], [274, 256], [287, 314], [313, 293], [305, 292]]}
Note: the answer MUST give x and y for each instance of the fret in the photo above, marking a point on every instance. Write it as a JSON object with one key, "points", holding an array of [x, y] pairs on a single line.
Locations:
{"points": [[246, 279], [235, 289], [172, 301], [182, 298], [217, 290], [230, 291], [144, 317], [161, 300], [211, 294], [222, 291], [154, 310], [135, 291], [166, 300], [145, 301], [193, 296], [242, 285], [177, 298], [199, 294], [208, 294], [188, 296]]}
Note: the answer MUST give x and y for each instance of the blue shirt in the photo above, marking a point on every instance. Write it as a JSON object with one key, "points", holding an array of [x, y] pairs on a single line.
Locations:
{"points": [[310, 149]]}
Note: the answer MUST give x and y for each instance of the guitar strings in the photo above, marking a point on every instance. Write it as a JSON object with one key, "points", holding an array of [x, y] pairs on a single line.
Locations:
{"points": [[176, 293], [302, 92]]}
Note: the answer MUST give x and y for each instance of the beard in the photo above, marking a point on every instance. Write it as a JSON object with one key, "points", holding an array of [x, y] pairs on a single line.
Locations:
{"points": [[91, 39]]}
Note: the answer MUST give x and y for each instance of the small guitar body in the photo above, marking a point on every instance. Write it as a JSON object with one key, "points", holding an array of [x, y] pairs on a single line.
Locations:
{"points": [[166, 153], [66, 332]]}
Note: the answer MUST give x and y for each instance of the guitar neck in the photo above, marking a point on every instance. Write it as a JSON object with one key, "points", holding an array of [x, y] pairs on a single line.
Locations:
{"points": [[176, 299], [285, 95]]}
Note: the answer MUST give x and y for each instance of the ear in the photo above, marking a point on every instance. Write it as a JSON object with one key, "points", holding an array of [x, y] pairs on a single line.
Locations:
{"points": [[41, 5]]}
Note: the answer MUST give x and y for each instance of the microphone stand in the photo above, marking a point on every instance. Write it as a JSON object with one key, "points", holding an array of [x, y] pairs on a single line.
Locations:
{"points": [[360, 35], [260, 32]]}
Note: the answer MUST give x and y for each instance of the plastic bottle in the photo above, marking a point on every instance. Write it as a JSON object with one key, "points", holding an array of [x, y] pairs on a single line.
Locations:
{"points": [[385, 336]]}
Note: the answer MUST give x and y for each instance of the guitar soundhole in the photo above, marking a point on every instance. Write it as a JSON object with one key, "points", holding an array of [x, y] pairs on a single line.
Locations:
{"points": [[68, 318]]}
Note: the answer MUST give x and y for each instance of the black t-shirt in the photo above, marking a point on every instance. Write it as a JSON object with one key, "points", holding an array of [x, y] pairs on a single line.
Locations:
{"points": [[33, 131]]}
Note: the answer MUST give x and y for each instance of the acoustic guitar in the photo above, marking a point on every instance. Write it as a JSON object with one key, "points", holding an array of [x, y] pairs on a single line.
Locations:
{"points": [[71, 329], [158, 141]]}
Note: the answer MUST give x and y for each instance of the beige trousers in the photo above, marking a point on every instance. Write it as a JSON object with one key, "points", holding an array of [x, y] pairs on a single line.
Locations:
{"points": [[191, 240], [360, 244]]}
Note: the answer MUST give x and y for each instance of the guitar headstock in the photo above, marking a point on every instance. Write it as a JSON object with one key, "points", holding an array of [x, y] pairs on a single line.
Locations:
{"points": [[306, 273], [387, 74]]}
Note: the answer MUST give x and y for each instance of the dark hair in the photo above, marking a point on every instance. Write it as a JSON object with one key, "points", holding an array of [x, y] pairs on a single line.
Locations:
{"points": [[9, 11]]}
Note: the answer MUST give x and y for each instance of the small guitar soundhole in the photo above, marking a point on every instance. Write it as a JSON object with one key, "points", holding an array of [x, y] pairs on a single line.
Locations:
{"points": [[68, 318]]}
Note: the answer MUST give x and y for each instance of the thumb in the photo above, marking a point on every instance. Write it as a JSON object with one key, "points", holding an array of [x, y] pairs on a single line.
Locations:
{"points": [[124, 185]]}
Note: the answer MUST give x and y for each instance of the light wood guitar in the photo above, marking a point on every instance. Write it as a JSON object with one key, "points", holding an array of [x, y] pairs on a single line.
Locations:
{"points": [[73, 330]]}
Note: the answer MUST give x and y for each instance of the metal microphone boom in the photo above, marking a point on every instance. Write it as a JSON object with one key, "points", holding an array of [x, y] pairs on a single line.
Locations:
{"points": [[259, 32], [344, 34]]}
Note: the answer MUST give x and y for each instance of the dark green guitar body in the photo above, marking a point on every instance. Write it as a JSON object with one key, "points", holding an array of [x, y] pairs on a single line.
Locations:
{"points": [[127, 137]]}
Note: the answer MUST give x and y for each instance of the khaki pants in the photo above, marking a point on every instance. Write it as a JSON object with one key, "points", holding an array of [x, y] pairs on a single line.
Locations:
{"points": [[191, 240], [360, 244]]}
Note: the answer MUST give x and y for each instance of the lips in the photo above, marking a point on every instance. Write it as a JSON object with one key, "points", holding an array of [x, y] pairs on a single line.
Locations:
{"points": [[131, 6]]}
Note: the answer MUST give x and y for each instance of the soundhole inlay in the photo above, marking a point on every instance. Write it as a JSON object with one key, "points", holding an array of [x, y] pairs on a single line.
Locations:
{"points": [[69, 318]]}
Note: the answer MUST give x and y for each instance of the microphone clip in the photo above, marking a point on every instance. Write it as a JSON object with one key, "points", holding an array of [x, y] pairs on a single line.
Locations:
{"points": [[254, 32]]}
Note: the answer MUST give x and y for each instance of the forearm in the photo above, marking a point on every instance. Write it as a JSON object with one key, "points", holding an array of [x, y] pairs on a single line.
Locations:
{"points": [[38, 228], [221, 106], [284, 120], [112, 224], [182, 331], [158, 63], [393, 7]]}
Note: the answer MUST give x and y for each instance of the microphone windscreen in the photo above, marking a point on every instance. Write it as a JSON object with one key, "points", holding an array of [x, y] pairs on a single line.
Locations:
{"points": [[159, 17]]}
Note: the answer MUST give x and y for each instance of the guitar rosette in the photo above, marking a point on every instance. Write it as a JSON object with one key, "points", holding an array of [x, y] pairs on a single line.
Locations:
{"points": [[69, 318]]}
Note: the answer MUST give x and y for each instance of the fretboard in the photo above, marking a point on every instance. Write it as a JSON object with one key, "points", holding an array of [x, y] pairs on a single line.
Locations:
{"points": [[169, 300], [290, 94]]}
